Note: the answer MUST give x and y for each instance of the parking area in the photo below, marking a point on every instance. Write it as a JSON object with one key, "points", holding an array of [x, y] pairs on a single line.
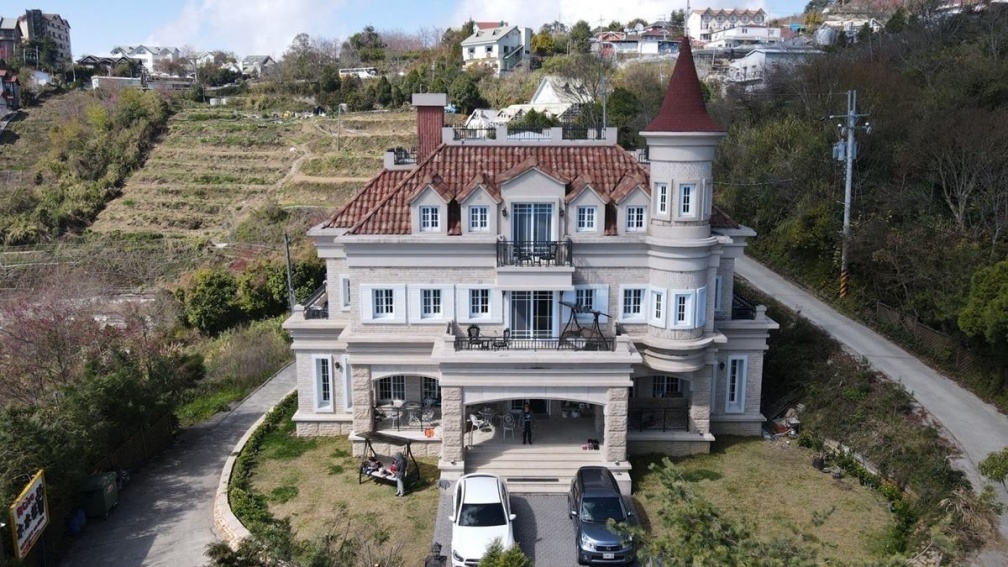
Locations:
{"points": [[542, 528]]}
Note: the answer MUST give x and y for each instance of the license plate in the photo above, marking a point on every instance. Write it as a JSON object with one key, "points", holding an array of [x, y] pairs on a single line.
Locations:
{"points": [[608, 556]]}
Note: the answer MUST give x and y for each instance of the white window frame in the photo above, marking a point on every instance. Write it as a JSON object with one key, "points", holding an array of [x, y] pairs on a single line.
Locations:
{"points": [[344, 363], [430, 218], [670, 385], [463, 298], [417, 305], [322, 377], [636, 213], [657, 308], [587, 216], [431, 303], [479, 218], [708, 196], [383, 303], [736, 375], [641, 314], [661, 199], [682, 309], [395, 384], [344, 280], [367, 304], [688, 200], [479, 303]]}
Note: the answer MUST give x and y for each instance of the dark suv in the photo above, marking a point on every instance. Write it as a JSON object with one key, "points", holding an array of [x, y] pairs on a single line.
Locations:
{"points": [[594, 498]]}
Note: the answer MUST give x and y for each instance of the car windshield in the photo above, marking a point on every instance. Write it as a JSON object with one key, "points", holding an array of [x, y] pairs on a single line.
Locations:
{"points": [[600, 509], [482, 515]]}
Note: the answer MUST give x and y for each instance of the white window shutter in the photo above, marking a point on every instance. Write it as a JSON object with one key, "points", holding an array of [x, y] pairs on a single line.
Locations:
{"points": [[399, 303], [367, 303], [462, 307], [602, 300], [701, 307], [496, 306], [413, 295], [448, 302]]}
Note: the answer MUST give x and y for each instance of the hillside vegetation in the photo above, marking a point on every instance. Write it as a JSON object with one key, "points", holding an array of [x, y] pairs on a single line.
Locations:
{"points": [[215, 167], [929, 210]]}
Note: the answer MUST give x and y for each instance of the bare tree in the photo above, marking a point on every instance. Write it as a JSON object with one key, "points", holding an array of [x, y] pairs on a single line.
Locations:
{"points": [[401, 48]]}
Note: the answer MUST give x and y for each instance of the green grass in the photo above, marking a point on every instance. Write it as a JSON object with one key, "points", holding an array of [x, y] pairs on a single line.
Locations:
{"points": [[205, 404]]}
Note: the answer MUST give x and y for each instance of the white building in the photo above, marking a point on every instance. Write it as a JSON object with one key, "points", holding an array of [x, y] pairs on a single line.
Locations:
{"points": [[486, 274], [148, 56], [750, 70], [743, 36], [701, 24], [501, 48], [36, 25]]}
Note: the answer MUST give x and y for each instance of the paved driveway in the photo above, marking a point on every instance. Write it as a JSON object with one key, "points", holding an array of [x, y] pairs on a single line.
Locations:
{"points": [[165, 517], [541, 528], [973, 424]]}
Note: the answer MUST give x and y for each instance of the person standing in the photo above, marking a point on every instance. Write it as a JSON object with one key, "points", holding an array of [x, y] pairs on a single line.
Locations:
{"points": [[400, 473], [526, 419]]}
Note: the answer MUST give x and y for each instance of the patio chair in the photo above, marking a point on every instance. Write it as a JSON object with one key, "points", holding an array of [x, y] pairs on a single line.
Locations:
{"points": [[507, 424], [479, 423], [473, 331], [504, 341]]}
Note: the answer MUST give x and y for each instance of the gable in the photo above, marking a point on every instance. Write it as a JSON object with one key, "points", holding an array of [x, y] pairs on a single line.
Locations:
{"points": [[532, 184]]}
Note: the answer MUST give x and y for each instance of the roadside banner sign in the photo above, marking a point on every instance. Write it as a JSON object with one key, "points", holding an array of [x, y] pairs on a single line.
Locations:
{"points": [[29, 515]]}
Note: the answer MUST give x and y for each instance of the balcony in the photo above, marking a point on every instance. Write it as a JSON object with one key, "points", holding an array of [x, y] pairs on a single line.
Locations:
{"points": [[742, 308], [317, 304], [566, 343], [535, 253]]}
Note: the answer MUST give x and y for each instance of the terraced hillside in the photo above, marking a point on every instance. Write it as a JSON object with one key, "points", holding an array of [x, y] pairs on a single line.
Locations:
{"points": [[215, 167], [24, 141]]}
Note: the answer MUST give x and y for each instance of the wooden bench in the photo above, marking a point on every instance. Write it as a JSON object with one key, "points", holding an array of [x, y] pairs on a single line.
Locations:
{"points": [[383, 474]]}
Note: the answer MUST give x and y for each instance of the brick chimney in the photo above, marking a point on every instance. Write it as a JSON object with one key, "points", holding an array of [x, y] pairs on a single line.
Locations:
{"points": [[429, 120]]}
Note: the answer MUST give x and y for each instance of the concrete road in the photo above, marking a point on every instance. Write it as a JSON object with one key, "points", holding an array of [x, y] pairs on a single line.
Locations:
{"points": [[165, 516], [974, 425]]}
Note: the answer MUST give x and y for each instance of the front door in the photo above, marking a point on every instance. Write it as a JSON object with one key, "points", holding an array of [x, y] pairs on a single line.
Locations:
{"points": [[532, 314]]}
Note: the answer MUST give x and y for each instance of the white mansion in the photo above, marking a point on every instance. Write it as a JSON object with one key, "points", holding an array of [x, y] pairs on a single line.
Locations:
{"points": [[562, 273]]}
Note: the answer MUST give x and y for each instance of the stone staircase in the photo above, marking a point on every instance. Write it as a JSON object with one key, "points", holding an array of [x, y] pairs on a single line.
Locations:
{"points": [[546, 468]]}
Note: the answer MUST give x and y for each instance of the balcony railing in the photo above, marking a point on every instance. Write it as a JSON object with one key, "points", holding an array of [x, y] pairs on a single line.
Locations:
{"points": [[742, 308], [497, 343], [317, 304], [658, 419], [528, 253]]}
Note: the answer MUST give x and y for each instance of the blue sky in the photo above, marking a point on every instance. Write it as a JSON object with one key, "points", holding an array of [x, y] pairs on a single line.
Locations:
{"points": [[253, 27]]}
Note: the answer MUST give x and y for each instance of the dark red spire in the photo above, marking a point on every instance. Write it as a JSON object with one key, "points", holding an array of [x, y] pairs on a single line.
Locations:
{"points": [[683, 109]]}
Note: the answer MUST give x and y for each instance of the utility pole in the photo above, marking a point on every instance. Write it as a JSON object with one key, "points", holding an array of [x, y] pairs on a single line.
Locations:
{"points": [[846, 151], [290, 284]]}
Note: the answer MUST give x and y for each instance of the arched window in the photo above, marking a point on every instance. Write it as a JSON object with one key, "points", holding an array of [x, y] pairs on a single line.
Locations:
{"points": [[391, 388]]}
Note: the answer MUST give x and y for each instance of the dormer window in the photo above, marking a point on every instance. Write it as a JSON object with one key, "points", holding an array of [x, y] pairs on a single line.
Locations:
{"points": [[430, 219], [586, 219], [635, 219]]}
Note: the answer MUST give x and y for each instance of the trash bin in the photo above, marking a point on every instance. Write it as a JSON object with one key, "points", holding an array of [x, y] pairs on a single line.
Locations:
{"points": [[98, 495]]}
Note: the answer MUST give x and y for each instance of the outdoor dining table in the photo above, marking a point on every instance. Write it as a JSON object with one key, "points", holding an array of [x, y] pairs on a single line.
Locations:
{"points": [[412, 412], [390, 413], [488, 414]]}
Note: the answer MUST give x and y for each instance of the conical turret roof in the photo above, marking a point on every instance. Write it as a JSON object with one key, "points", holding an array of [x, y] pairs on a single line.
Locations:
{"points": [[683, 109]]}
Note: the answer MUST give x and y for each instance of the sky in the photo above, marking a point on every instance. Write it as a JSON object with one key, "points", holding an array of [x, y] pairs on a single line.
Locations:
{"points": [[266, 27]]}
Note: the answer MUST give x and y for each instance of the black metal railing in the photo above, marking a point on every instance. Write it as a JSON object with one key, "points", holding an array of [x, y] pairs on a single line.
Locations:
{"points": [[581, 344], [537, 253], [742, 308], [659, 419], [403, 156], [643, 157], [462, 133], [317, 304], [584, 132]]}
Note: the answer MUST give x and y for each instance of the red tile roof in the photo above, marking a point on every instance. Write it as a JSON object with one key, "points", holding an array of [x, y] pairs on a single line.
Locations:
{"points": [[382, 206], [683, 109]]}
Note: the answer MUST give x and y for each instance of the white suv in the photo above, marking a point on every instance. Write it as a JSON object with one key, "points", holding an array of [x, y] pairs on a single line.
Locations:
{"points": [[481, 513]]}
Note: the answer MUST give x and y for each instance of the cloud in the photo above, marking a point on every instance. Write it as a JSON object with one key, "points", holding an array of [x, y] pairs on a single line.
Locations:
{"points": [[247, 27], [534, 13]]}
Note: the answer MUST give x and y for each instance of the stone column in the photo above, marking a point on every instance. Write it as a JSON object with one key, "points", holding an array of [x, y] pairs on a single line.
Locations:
{"points": [[363, 402], [452, 432], [616, 424], [699, 410]]}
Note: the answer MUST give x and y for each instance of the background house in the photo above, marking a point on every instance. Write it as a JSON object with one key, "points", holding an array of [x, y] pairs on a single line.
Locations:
{"points": [[750, 70], [10, 92], [10, 38], [148, 56], [257, 65], [701, 24], [501, 48], [36, 25]]}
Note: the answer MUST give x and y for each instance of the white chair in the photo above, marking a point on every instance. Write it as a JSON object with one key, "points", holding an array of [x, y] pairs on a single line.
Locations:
{"points": [[478, 423], [507, 424]]}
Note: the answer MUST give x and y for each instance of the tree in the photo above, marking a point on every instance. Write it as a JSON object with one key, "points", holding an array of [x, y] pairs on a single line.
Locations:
{"points": [[497, 556], [591, 77], [986, 311], [580, 37], [636, 22], [210, 305], [367, 45], [465, 94], [995, 466], [542, 44], [383, 91]]}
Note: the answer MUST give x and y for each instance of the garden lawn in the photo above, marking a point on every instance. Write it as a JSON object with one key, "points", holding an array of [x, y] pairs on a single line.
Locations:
{"points": [[315, 486], [772, 489]]}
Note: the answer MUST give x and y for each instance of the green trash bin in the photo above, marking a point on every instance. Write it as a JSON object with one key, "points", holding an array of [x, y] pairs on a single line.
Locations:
{"points": [[99, 495]]}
